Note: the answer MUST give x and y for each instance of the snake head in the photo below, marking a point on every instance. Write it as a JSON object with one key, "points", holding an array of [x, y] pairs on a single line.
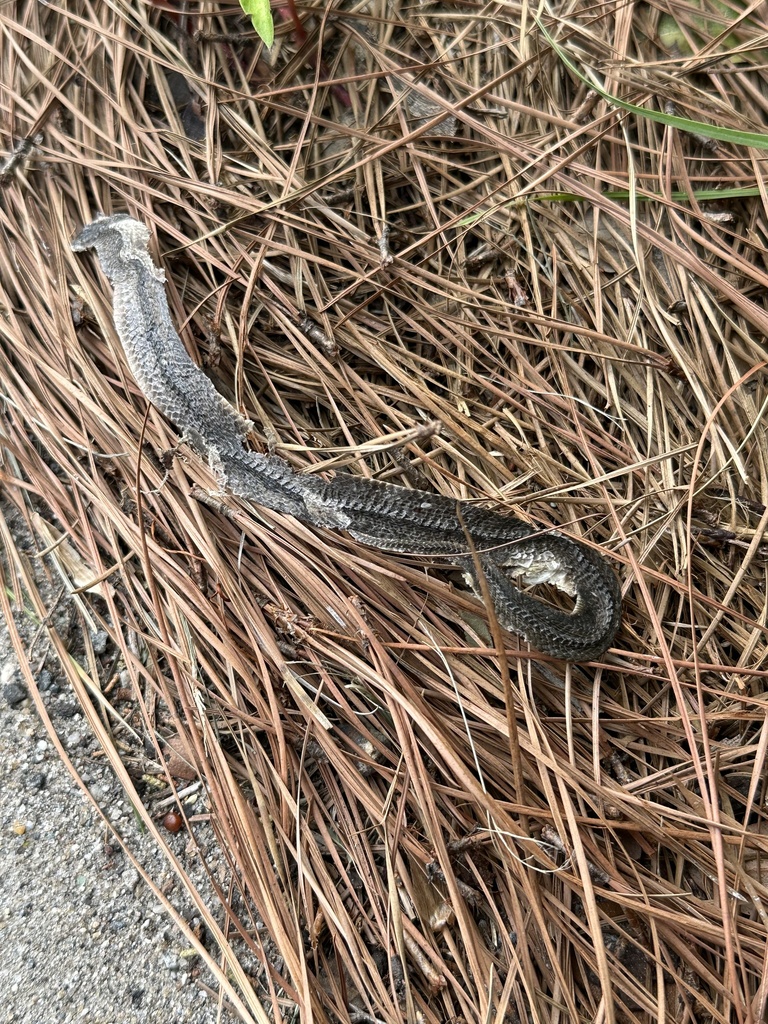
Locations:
{"points": [[116, 239]]}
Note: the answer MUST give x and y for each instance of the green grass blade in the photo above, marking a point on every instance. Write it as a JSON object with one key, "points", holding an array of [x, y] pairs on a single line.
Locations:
{"points": [[756, 140]]}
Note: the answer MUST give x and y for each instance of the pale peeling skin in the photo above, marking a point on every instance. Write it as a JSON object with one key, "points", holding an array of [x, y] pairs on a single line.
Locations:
{"points": [[385, 516]]}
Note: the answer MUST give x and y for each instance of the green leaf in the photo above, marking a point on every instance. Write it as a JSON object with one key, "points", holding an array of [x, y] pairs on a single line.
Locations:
{"points": [[261, 19], [711, 131], [702, 195]]}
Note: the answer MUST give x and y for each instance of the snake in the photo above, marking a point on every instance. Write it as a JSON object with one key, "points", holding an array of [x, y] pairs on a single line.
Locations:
{"points": [[499, 554]]}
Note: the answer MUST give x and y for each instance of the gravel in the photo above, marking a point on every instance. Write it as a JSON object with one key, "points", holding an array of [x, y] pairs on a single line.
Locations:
{"points": [[83, 938]]}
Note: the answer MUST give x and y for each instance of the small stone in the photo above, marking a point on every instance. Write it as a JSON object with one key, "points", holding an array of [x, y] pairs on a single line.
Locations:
{"points": [[7, 671], [171, 962], [130, 878], [44, 680], [14, 694], [36, 781], [99, 641]]}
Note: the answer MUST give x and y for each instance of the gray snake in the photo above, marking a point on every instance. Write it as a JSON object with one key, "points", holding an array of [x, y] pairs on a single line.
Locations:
{"points": [[383, 515]]}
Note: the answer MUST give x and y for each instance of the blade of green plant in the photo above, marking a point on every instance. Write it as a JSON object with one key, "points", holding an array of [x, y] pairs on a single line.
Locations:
{"points": [[700, 195], [703, 195], [756, 140], [261, 19]]}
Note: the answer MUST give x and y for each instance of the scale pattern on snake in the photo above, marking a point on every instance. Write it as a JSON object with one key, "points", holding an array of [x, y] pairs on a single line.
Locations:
{"points": [[385, 516]]}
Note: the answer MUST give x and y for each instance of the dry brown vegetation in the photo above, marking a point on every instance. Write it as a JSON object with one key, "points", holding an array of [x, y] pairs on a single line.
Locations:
{"points": [[420, 821]]}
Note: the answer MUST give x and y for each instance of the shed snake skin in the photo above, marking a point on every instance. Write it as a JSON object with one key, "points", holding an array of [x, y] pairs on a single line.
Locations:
{"points": [[385, 516]]}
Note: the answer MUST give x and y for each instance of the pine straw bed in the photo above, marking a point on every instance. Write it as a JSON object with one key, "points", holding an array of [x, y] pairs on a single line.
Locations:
{"points": [[421, 817]]}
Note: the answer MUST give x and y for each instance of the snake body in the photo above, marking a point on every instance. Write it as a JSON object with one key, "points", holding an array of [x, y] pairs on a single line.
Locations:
{"points": [[383, 515]]}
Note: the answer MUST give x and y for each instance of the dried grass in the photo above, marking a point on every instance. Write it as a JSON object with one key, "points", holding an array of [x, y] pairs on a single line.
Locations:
{"points": [[417, 821]]}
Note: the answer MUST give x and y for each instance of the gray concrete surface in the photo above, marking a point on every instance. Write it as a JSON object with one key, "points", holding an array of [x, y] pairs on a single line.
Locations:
{"points": [[83, 939]]}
